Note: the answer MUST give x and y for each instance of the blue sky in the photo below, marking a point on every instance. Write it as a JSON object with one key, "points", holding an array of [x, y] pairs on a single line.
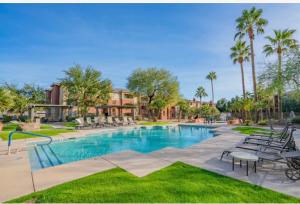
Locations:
{"points": [[39, 41]]}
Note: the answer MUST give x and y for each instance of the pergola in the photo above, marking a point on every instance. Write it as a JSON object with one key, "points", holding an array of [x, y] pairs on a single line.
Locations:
{"points": [[119, 107], [31, 109]]}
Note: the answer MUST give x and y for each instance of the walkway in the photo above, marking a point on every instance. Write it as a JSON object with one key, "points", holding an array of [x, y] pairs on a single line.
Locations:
{"points": [[17, 179]]}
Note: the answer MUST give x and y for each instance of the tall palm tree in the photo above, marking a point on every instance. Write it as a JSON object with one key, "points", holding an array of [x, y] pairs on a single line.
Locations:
{"points": [[250, 23], [240, 54], [200, 93], [282, 42], [212, 76]]}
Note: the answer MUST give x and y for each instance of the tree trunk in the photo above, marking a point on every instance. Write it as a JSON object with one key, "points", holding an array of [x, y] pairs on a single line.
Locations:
{"points": [[253, 67], [280, 113], [212, 90], [243, 80]]}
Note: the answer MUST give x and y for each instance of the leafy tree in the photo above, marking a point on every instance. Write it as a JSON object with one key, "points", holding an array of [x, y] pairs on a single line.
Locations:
{"points": [[222, 105], [85, 88], [212, 76], [6, 100], [21, 103], [156, 85], [251, 22], [240, 54], [200, 93], [292, 69], [34, 94], [282, 42], [184, 108]]}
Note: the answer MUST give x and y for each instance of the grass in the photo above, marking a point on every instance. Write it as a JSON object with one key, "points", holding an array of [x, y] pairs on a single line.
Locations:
{"points": [[48, 132], [70, 124], [176, 183], [154, 123], [248, 130]]}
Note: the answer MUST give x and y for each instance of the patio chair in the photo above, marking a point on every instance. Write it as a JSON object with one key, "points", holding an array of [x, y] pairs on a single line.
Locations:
{"points": [[274, 135], [117, 121], [80, 123], [97, 122], [89, 122], [293, 162], [131, 121], [110, 121], [265, 148]]}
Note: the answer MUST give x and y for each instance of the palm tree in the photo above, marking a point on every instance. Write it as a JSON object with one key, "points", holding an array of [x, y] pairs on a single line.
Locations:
{"points": [[200, 93], [240, 53], [282, 42], [212, 76], [250, 23]]}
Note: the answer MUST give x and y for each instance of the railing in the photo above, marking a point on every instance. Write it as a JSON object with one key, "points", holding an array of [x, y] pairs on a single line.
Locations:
{"points": [[25, 133]]}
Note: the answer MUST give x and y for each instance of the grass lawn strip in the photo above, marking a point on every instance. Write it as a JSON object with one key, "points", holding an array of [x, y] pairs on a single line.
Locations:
{"points": [[176, 183]]}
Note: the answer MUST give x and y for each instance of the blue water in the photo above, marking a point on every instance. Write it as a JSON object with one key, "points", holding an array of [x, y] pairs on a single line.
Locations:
{"points": [[144, 140]]}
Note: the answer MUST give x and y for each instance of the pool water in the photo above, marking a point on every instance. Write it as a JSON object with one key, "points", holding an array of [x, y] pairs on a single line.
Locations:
{"points": [[144, 140]]}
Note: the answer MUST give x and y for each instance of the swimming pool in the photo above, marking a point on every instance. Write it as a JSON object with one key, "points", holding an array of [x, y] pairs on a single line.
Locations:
{"points": [[142, 139]]}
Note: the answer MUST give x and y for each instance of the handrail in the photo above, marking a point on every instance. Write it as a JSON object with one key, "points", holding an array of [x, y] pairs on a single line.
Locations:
{"points": [[26, 133]]}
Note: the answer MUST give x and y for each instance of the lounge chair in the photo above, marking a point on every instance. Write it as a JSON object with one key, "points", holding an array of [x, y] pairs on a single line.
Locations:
{"points": [[80, 123], [110, 122], [293, 162], [117, 120], [97, 122], [89, 122], [268, 147], [131, 121], [125, 120]]}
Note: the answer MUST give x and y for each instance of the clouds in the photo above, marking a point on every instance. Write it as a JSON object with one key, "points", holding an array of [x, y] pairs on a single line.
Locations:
{"points": [[39, 41]]}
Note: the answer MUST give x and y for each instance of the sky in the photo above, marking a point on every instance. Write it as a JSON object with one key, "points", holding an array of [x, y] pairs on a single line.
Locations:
{"points": [[39, 41]]}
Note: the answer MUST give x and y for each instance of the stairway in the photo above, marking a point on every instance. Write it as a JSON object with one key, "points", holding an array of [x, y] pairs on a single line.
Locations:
{"points": [[46, 156]]}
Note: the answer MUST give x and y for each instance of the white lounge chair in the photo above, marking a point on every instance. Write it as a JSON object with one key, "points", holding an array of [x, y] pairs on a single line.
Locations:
{"points": [[110, 122], [131, 121]]}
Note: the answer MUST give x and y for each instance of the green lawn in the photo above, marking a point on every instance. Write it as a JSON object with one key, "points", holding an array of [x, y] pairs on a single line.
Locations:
{"points": [[70, 124], [48, 132], [248, 130], [154, 123], [176, 183]]}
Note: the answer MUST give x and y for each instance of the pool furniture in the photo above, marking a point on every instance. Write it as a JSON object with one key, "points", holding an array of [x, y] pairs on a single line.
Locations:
{"points": [[293, 163], [270, 147], [80, 123], [244, 156], [125, 121], [131, 121], [89, 122], [110, 121], [97, 122], [118, 122]]}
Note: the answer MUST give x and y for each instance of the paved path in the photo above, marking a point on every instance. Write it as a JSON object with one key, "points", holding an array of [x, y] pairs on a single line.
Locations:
{"points": [[17, 179]]}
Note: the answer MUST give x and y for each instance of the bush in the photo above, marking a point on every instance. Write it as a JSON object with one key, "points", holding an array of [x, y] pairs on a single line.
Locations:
{"points": [[23, 118], [262, 122], [296, 120], [70, 118], [248, 122], [7, 118]]}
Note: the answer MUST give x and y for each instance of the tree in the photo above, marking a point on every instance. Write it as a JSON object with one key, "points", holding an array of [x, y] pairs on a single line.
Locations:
{"points": [[292, 69], [85, 88], [212, 76], [222, 105], [6, 100], [282, 42], [21, 102], [184, 108], [240, 54], [154, 84], [200, 93], [251, 22], [34, 94]]}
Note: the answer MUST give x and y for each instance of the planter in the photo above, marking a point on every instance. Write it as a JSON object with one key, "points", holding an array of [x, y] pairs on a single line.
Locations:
{"points": [[1, 126], [234, 122], [30, 126], [199, 120]]}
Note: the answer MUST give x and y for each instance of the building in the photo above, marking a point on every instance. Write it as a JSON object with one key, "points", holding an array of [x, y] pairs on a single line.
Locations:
{"points": [[121, 103]]}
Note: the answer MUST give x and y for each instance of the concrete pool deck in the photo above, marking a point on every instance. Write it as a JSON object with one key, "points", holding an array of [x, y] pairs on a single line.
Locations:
{"points": [[17, 179]]}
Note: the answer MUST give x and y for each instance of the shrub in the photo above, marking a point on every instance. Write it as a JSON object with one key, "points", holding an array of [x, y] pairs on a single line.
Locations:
{"points": [[7, 118], [296, 120], [248, 122], [262, 122]]}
